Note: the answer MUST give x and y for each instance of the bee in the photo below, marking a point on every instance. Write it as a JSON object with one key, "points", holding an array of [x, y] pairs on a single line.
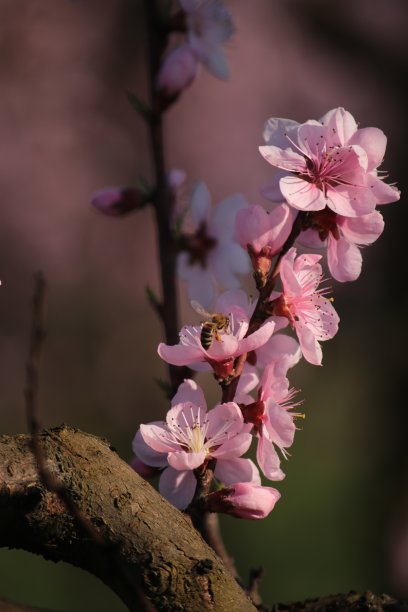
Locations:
{"points": [[214, 323]]}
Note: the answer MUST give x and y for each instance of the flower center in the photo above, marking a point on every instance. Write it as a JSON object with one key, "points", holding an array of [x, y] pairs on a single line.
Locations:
{"points": [[324, 222], [198, 245]]}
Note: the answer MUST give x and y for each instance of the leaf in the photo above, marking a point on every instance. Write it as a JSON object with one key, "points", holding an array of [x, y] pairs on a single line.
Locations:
{"points": [[140, 107]]}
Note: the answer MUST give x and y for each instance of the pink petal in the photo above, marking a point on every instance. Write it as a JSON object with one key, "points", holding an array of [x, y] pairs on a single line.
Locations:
{"points": [[268, 459], [312, 138], [182, 460], [178, 487], [311, 349], [344, 259], [281, 222], [252, 227], [340, 126], [222, 415], [146, 453], [279, 424], [216, 62], [179, 354], [289, 278], [229, 301], [156, 436], [350, 201], [223, 349], [276, 131], [234, 447], [189, 391], [362, 230], [256, 339], [280, 348], [229, 471], [226, 261], [301, 194], [381, 192], [374, 142], [222, 224], [200, 203], [286, 159]]}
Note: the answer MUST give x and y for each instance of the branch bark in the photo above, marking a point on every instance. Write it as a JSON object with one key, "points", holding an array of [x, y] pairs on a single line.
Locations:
{"points": [[150, 546]]}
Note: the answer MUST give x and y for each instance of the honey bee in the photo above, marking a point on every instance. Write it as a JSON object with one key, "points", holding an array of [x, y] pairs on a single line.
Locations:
{"points": [[214, 323]]}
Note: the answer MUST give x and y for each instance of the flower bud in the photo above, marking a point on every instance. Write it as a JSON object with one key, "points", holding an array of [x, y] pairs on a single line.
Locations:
{"points": [[178, 71], [243, 500], [117, 201], [263, 234]]}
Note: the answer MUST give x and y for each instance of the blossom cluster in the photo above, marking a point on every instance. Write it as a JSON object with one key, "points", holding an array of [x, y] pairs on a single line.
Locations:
{"points": [[325, 193]]}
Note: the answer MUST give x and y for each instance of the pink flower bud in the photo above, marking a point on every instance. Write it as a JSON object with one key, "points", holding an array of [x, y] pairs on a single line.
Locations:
{"points": [[145, 471], [178, 70], [117, 201], [243, 500]]}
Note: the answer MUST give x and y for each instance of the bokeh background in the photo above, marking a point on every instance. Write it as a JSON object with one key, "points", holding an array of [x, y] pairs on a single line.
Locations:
{"points": [[67, 130]]}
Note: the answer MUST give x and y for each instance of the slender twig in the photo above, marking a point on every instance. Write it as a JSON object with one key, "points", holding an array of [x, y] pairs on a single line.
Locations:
{"points": [[164, 198], [31, 392], [258, 317], [46, 477]]}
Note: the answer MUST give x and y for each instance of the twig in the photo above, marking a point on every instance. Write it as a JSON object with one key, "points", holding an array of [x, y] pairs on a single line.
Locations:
{"points": [[258, 317], [46, 477], [164, 200], [31, 392]]}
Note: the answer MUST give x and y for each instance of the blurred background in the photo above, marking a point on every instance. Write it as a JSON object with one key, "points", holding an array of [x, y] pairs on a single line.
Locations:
{"points": [[67, 130]]}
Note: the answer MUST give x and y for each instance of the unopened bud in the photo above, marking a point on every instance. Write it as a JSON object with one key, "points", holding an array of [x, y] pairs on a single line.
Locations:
{"points": [[117, 201], [178, 71], [243, 500]]}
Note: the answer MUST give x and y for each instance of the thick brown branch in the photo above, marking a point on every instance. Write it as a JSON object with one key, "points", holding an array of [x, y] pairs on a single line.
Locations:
{"points": [[151, 546]]}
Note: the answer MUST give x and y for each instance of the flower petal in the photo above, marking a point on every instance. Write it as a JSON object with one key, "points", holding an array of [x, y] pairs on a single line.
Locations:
{"points": [[146, 453], [179, 354], [189, 391], [362, 230], [178, 487], [374, 143], [234, 447], [344, 259], [268, 459], [257, 338], [230, 471], [181, 460], [301, 194]]}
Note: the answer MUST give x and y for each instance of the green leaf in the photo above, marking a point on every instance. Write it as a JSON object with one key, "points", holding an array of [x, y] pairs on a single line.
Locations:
{"points": [[140, 107]]}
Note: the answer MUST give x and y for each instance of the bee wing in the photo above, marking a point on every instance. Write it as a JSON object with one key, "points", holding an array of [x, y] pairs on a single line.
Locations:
{"points": [[199, 309]]}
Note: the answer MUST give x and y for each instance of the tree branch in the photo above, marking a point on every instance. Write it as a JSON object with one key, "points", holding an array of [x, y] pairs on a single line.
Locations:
{"points": [[151, 546]]}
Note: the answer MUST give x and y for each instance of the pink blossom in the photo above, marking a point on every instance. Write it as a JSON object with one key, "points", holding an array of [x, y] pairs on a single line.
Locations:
{"points": [[192, 436], [263, 233], [272, 420], [280, 353], [343, 236], [244, 500], [117, 201], [178, 71], [209, 26], [329, 162], [310, 314], [210, 255], [231, 341]]}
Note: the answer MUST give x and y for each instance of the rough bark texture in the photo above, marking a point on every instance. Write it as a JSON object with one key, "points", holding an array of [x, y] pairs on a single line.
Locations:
{"points": [[151, 549], [364, 602]]}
